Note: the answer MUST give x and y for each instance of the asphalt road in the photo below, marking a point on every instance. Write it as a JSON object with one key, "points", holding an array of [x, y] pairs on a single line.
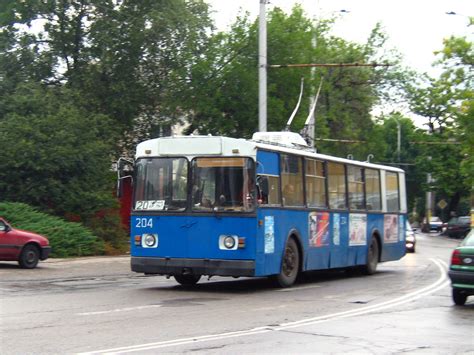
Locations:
{"points": [[96, 305]]}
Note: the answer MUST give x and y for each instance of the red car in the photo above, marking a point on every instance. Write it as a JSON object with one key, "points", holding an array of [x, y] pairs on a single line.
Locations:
{"points": [[25, 247]]}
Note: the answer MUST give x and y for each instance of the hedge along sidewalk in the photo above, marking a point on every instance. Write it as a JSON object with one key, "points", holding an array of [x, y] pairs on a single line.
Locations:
{"points": [[67, 239]]}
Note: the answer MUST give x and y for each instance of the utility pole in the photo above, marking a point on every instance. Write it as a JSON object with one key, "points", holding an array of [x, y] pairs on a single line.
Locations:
{"points": [[262, 68], [399, 138], [429, 199]]}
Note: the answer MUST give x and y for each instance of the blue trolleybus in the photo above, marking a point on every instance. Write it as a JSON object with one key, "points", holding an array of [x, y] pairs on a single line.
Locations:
{"points": [[270, 206]]}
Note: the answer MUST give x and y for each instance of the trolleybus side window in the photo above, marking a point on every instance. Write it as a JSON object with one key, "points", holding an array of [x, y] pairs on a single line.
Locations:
{"points": [[355, 178], [372, 187], [337, 185], [315, 183], [292, 180], [269, 189], [392, 195]]}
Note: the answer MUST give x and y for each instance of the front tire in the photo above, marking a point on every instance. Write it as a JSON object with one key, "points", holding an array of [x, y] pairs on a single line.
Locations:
{"points": [[187, 280], [290, 265], [29, 257], [459, 298], [370, 266]]}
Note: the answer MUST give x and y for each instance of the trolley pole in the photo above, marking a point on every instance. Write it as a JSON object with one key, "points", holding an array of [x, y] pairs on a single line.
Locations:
{"points": [[262, 68]]}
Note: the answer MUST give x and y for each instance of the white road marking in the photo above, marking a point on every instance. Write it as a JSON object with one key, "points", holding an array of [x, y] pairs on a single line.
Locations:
{"points": [[425, 291], [117, 310]]}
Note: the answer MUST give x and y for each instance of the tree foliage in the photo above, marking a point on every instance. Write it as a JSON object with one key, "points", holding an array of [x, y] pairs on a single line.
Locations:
{"points": [[447, 104], [225, 85], [56, 154], [129, 60]]}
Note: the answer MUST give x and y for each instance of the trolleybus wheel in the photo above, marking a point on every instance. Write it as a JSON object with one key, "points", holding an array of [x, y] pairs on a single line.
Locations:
{"points": [[372, 257], [290, 265], [187, 280]]}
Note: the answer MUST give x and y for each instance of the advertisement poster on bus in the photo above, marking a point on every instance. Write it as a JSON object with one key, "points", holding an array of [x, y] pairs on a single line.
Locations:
{"points": [[357, 229], [390, 228], [318, 229], [269, 235]]}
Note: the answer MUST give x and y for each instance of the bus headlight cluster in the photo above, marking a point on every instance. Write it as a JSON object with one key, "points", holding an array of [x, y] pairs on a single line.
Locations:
{"points": [[149, 240], [231, 242]]}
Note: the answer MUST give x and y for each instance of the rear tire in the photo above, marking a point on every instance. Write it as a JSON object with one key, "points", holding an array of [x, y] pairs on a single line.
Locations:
{"points": [[290, 265], [29, 257], [187, 280], [370, 266], [459, 298]]}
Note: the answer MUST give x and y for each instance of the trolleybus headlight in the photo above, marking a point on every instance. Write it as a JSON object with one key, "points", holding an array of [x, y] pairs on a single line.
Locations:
{"points": [[150, 240], [228, 242]]}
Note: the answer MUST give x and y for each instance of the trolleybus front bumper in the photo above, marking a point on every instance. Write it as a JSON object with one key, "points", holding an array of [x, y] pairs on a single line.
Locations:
{"points": [[180, 266]]}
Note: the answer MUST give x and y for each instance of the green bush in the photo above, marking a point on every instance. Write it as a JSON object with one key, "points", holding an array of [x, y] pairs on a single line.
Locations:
{"points": [[66, 238]]}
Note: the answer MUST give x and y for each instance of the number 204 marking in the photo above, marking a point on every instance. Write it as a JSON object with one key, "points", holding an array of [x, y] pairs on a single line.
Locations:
{"points": [[144, 223]]}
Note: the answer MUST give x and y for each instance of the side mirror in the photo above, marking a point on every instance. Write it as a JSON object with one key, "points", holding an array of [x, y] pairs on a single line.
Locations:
{"points": [[124, 171], [124, 167]]}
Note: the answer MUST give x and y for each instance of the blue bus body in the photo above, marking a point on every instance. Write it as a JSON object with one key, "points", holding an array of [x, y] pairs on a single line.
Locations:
{"points": [[196, 238], [191, 243]]}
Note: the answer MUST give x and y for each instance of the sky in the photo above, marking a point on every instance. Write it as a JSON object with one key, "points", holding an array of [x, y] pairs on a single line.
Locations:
{"points": [[415, 27]]}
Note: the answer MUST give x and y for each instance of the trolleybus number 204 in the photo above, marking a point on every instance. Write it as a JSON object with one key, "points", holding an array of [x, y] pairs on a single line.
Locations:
{"points": [[269, 206]]}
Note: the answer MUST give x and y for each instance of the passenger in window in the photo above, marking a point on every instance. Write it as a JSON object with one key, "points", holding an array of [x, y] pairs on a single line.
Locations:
{"points": [[206, 202], [289, 195]]}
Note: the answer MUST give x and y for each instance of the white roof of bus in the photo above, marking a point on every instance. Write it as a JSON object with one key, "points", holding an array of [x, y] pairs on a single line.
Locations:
{"points": [[315, 155], [191, 146]]}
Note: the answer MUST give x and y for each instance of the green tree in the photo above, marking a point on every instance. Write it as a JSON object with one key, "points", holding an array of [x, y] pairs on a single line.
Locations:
{"points": [[457, 59], [446, 103], [128, 60], [55, 154]]}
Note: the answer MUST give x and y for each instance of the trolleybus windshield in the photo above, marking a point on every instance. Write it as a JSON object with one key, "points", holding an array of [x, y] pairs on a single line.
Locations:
{"points": [[223, 184], [161, 184]]}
